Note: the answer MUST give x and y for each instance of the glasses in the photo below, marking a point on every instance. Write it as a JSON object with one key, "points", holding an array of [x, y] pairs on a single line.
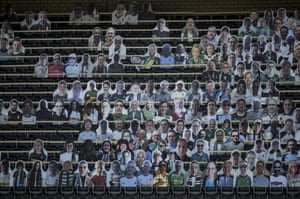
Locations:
{"points": [[200, 145], [226, 104], [243, 166], [235, 136]]}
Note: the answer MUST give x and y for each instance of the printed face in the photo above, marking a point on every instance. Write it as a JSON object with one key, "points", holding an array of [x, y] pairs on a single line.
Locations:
{"points": [[69, 147], [146, 168], [140, 158], [164, 126], [178, 167], [163, 108], [88, 125], [123, 147], [83, 168], [250, 159], [277, 167], [119, 107], [200, 146], [130, 169], [220, 136], [291, 146], [100, 60], [181, 148], [243, 168], [194, 168], [62, 87], [43, 18], [287, 106], [180, 126], [272, 107], [227, 169], [126, 136], [149, 105], [171, 137], [67, 165], [241, 106], [210, 169], [106, 87], [97, 33], [235, 136], [155, 136], [190, 23], [106, 147], [52, 168], [72, 60], [260, 168], [195, 52], [293, 168], [116, 168], [211, 33], [161, 146], [38, 146], [27, 107]]}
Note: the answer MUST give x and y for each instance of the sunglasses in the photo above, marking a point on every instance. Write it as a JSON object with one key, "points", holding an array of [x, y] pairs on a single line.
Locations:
{"points": [[243, 166]]}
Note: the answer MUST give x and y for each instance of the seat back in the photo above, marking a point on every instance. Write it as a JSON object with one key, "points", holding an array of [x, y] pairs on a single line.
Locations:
{"points": [[243, 190], [83, 190], [163, 190], [67, 190], [36, 190], [5, 190], [211, 190], [146, 190], [179, 190], [130, 190], [114, 190], [196, 190], [226, 190], [20, 190], [98, 191], [51, 190]]}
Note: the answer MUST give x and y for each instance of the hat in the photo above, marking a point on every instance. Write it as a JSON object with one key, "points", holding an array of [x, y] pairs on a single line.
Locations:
{"points": [[236, 152], [171, 151], [118, 38], [257, 121], [161, 163]]}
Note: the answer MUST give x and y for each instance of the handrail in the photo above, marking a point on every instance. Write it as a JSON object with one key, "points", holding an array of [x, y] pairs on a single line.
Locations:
{"points": [[66, 14], [119, 74], [37, 131], [100, 142], [118, 30], [170, 21]]}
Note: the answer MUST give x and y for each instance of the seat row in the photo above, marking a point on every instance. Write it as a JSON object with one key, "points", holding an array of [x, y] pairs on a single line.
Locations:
{"points": [[152, 192]]}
